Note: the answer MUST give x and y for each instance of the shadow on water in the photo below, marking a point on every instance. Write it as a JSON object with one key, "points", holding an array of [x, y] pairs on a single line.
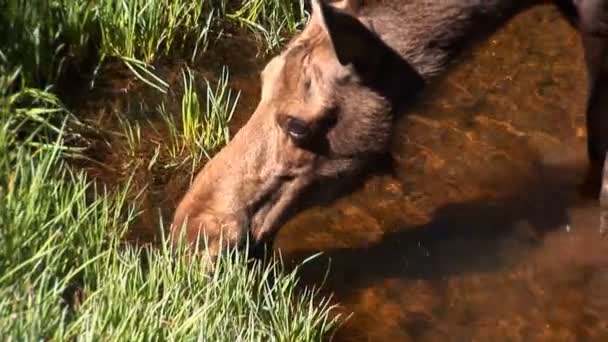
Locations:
{"points": [[526, 264], [460, 237]]}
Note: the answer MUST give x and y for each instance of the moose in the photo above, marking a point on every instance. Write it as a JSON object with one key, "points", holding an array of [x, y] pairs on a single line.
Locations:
{"points": [[330, 99]]}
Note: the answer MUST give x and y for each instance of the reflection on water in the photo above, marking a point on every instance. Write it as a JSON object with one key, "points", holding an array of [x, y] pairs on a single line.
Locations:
{"points": [[479, 235]]}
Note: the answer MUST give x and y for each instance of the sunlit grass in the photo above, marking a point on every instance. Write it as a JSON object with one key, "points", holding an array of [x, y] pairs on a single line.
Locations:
{"points": [[274, 20], [147, 29], [42, 36], [174, 145], [67, 274], [54, 222], [192, 118], [132, 134], [203, 130], [220, 105], [156, 293], [33, 115], [141, 31]]}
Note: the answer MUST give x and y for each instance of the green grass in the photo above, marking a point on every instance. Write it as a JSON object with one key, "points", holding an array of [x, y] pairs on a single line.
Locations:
{"points": [[132, 135], [49, 32], [273, 20], [141, 31], [220, 105], [43, 36], [176, 300], [202, 131], [146, 30], [192, 118], [67, 271], [67, 274], [54, 223]]}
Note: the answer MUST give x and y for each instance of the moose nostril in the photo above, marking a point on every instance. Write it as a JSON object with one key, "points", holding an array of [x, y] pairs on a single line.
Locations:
{"points": [[297, 129]]}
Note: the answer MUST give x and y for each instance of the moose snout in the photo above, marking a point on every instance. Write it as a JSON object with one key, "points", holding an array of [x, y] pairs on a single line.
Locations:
{"points": [[243, 193]]}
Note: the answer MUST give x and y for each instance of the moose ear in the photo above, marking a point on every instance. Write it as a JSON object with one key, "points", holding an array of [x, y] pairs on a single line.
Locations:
{"points": [[353, 43]]}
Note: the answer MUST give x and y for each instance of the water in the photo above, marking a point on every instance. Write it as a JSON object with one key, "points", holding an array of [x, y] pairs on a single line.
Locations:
{"points": [[480, 234]]}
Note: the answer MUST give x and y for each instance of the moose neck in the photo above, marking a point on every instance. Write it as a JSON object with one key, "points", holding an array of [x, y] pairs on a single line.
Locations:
{"points": [[428, 34]]}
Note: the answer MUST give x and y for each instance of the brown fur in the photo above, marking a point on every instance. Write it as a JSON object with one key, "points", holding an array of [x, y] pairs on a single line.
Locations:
{"points": [[328, 105]]}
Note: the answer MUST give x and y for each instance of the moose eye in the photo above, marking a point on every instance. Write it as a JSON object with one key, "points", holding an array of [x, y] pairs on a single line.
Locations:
{"points": [[297, 129]]}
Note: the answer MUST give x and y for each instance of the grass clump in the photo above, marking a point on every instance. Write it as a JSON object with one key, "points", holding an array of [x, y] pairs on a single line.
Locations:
{"points": [[68, 275], [67, 272], [54, 223], [220, 105], [203, 130], [132, 135], [147, 29], [272, 19], [171, 299], [43, 36], [141, 31]]}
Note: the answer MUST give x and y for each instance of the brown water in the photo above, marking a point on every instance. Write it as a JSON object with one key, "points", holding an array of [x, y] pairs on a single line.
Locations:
{"points": [[480, 234]]}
